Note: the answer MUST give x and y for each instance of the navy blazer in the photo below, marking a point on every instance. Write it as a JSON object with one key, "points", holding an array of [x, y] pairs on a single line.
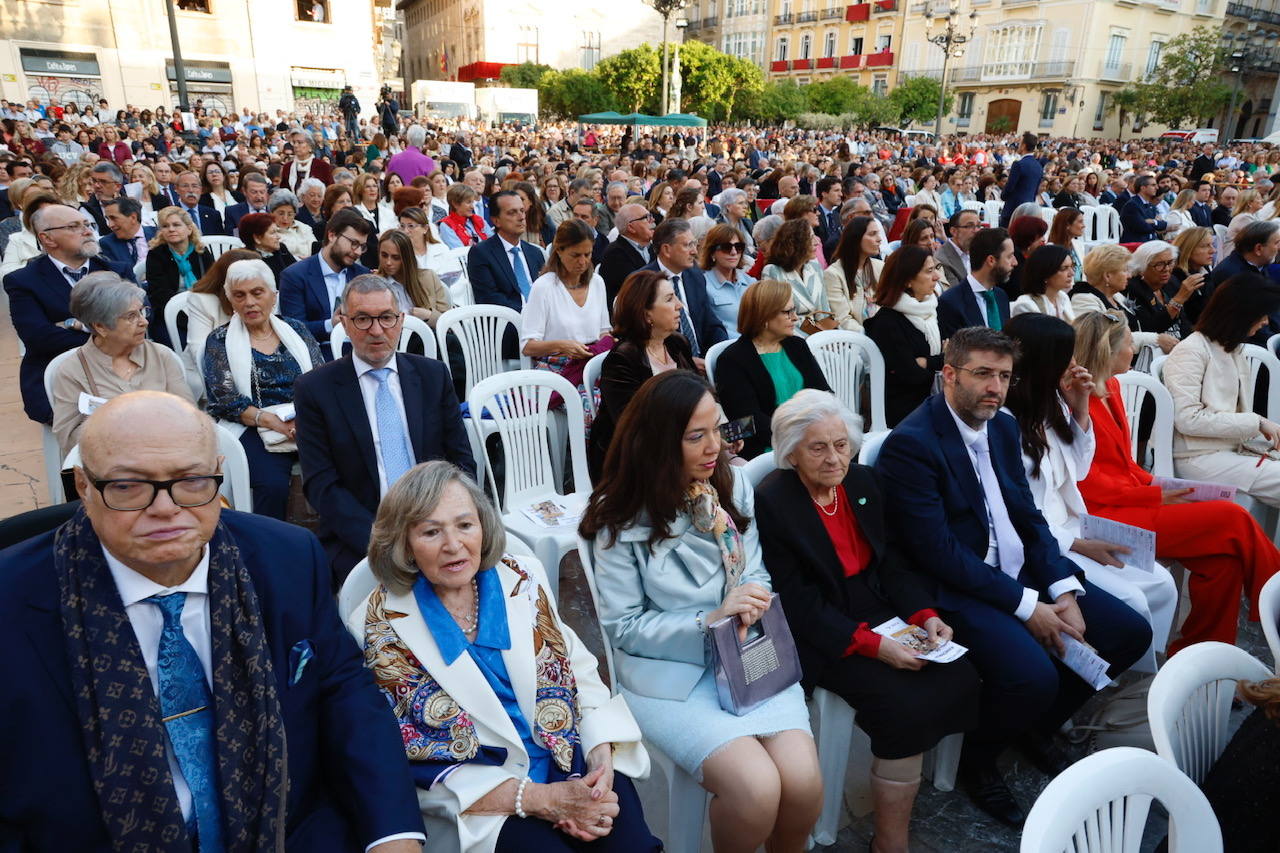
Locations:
{"points": [[349, 782], [335, 445], [958, 308], [118, 250], [304, 297], [233, 214], [706, 325], [209, 221], [39, 300], [1202, 215], [937, 508], [1134, 227], [1022, 186], [619, 261], [493, 281]]}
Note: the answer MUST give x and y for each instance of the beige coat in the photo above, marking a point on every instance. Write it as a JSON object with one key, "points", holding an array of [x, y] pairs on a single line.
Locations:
{"points": [[1212, 411], [850, 309]]}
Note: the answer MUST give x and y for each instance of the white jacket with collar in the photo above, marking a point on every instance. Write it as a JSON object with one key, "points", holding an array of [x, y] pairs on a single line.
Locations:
{"points": [[1212, 411]]}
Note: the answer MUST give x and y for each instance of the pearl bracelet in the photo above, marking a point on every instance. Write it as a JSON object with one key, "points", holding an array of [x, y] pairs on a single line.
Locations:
{"points": [[520, 812], [698, 619]]}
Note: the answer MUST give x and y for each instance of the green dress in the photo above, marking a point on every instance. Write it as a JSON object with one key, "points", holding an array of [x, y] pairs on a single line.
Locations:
{"points": [[785, 375]]}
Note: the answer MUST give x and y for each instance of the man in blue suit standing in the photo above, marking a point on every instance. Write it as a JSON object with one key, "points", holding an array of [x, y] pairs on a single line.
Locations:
{"points": [[1139, 219], [311, 289], [40, 297], [350, 453], [674, 251], [502, 268], [980, 299], [207, 220], [1201, 212], [170, 651], [1024, 179], [128, 242], [955, 489]]}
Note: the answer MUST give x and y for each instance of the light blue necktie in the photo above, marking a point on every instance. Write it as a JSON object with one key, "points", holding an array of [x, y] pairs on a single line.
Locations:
{"points": [[522, 277], [187, 709], [397, 458]]}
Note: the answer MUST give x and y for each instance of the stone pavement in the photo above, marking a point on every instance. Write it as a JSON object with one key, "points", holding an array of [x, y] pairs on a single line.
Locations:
{"points": [[22, 485]]}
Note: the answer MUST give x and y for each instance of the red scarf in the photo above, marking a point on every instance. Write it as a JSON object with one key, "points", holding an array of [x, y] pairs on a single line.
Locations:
{"points": [[459, 226]]}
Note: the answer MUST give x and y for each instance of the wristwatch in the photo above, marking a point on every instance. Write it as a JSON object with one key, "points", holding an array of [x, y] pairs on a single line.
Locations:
{"points": [[70, 323]]}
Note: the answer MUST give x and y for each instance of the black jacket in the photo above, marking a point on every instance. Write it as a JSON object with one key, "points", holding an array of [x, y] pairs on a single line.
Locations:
{"points": [[163, 285], [745, 387], [906, 383], [620, 260]]}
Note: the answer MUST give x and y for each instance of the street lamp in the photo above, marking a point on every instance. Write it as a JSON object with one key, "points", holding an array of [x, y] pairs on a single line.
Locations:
{"points": [[952, 41], [1245, 51], [666, 8], [676, 81]]}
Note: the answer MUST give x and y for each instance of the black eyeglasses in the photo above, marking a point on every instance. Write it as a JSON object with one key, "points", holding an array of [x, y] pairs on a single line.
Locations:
{"points": [[730, 247], [359, 247], [131, 495], [364, 322], [984, 374], [647, 218]]}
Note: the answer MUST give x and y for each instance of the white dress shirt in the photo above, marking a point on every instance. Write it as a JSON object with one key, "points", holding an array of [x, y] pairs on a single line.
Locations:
{"points": [[1030, 596], [979, 289], [677, 283], [333, 283], [964, 256], [369, 392], [64, 269]]}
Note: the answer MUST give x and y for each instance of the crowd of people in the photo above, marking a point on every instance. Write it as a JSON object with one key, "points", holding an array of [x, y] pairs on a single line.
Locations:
{"points": [[693, 268]]}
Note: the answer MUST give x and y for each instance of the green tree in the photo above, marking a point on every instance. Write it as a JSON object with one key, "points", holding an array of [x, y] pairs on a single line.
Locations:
{"points": [[634, 77], [835, 96], [872, 110], [1131, 102], [569, 94], [713, 82], [526, 75], [1186, 87], [916, 100], [779, 101]]}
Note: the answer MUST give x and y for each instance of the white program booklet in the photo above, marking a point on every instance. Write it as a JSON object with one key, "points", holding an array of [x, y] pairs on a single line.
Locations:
{"points": [[556, 511], [1085, 662], [1140, 541], [1200, 490], [917, 639]]}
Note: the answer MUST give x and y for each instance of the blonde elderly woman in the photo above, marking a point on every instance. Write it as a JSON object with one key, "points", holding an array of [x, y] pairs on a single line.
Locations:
{"points": [[1106, 275], [295, 236], [115, 360], [249, 367], [514, 742], [176, 260]]}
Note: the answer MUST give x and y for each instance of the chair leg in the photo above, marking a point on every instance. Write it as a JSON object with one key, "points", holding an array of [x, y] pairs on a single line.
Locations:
{"points": [[943, 760], [833, 719], [686, 806]]}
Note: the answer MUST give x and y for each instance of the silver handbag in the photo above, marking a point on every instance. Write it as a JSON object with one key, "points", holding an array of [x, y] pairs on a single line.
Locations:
{"points": [[751, 673]]}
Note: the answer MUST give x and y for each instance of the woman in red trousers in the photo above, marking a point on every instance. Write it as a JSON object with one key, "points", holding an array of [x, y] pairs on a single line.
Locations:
{"points": [[1222, 547]]}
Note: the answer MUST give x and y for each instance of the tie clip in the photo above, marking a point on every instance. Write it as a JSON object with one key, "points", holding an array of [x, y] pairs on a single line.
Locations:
{"points": [[183, 714]]}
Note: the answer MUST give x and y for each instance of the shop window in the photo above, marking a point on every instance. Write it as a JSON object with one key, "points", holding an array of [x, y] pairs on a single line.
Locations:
{"points": [[195, 6]]}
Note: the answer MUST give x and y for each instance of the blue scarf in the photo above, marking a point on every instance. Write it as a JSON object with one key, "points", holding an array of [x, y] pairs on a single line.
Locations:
{"points": [[185, 273]]}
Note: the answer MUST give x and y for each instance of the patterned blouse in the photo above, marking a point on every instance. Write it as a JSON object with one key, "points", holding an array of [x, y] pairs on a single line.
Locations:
{"points": [[275, 374]]}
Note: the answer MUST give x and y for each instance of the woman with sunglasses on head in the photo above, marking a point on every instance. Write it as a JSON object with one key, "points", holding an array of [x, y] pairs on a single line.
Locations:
{"points": [[722, 258]]}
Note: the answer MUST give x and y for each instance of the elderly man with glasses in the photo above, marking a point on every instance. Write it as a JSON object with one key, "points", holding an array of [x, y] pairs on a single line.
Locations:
{"points": [[630, 251]]}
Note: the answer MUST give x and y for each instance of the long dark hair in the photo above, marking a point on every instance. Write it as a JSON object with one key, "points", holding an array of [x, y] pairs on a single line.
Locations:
{"points": [[1045, 346], [1235, 306], [848, 251], [1041, 265], [644, 475]]}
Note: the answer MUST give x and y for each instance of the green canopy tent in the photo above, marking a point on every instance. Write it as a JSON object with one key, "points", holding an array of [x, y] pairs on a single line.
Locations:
{"points": [[671, 120], [680, 120], [610, 117]]}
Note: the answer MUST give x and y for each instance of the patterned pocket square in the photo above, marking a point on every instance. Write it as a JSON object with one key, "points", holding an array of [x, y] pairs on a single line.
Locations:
{"points": [[299, 656]]}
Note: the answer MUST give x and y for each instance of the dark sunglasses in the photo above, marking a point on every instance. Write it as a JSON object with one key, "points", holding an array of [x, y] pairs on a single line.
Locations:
{"points": [[730, 247]]}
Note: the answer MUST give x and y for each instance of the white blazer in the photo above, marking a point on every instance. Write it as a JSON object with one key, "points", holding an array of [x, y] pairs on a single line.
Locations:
{"points": [[1054, 489], [605, 718], [1031, 304], [1212, 411]]}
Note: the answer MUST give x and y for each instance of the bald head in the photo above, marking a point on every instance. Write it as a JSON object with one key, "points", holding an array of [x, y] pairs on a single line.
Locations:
{"points": [[141, 418]]}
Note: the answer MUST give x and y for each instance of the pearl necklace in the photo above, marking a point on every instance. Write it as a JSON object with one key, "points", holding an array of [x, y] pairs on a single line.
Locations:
{"points": [[835, 504], [468, 623]]}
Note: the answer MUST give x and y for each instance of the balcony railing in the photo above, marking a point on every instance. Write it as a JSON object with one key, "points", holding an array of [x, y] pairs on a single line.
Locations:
{"points": [[1003, 71], [970, 74], [785, 18], [851, 61], [778, 65], [880, 60], [1046, 122], [704, 24], [806, 17], [858, 12], [801, 64], [826, 62], [962, 121], [1121, 72], [933, 73], [882, 6], [1250, 13], [834, 13]]}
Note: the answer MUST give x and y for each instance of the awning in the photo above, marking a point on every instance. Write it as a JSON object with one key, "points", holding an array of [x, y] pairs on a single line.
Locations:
{"points": [[318, 78], [680, 120], [669, 120], [481, 71]]}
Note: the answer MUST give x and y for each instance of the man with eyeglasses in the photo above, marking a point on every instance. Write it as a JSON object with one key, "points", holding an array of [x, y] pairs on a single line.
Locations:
{"points": [[980, 300], [311, 289], [106, 181], [674, 257], [630, 251], [368, 417], [1139, 219], [956, 490], [40, 296], [954, 253], [180, 648]]}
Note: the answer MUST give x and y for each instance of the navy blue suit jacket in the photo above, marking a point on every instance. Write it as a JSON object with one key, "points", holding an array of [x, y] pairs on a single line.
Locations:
{"points": [[233, 214], [1134, 227], [209, 221], [335, 444], [118, 250], [349, 782], [935, 501], [493, 281], [1022, 186], [304, 297], [40, 299], [1201, 215], [958, 308], [706, 325]]}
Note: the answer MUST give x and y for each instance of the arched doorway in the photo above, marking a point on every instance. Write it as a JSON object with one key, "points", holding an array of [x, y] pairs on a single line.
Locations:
{"points": [[1002, 115], [1242, 120]]}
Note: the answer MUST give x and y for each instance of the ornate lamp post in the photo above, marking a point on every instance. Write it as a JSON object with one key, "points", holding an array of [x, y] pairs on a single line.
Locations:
{"points": [[952, 39], [1246, 51], [666, 8]]}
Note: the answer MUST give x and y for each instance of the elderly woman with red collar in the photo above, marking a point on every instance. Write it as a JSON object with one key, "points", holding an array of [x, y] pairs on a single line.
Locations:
{"points": [[463, 227], [514, 742]]}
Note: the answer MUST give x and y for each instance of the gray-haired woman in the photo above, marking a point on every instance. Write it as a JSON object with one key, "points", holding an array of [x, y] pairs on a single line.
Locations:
{"points": [[514, 741], [116, 359], [826, 546], [296, 237], [735, 210]]}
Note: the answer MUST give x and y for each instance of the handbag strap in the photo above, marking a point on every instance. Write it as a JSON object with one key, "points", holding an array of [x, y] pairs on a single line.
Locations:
{"points": [[88, 374]]}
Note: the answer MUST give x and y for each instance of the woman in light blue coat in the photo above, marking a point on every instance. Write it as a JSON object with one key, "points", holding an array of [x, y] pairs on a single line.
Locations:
{"points": [[675, 551]]}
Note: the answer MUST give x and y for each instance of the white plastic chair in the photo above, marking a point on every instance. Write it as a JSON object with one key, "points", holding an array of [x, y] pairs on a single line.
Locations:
{"points": [[48, 441], [518, 406], [994, 209], [1100, 805], [173, 309], [1135, 386], [413, 328], [1269, 610], [845, 357], [712, 356], [591, 380], [218, 244], [1108, 224], [978, 207], [1219, 241], [1273, 344], [1147, 347], [871, 443], [1047, 214], [1258, 357], [757, 469], [1090, 213], [1189, 704]]}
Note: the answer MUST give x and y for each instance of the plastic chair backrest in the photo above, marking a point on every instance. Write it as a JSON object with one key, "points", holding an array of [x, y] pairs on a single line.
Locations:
{"points": [[759, 468], [1100, 805], [591, 379], [479, 330], [48, 441], [1258, 357], [871, 443], [846, 358], [1047, 214], [219, 244], [1135, 387], [712, 356], [993, 208], [978, 207], [1090, 213], [1273, 344], [1189, 704], [354, 590], [176, 306], [1269, 610], [518, 404], [586, 556], [1108, 224]]}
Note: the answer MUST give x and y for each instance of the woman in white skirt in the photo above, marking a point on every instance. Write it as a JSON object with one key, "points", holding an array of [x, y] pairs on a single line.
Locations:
{"points": [[1051, 403], [676, 550]]}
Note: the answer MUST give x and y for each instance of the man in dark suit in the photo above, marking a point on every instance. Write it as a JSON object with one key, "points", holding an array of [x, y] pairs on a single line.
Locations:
{"points": [[1139, 219], [584, 209], [1024, 179], [1256, 248], [959, 500], [1115, 188], [979, 300], [629, 252], [350, 455], [107, 181], [194, 743], [311, 289], [40, 297], [502, 268], [168, 195], [208, 221], [128, 241], [1201, 212], [675, 251], [1204, 164], [953, 255], [459, 152], [256, 188], [474, 178], [830, 192]]}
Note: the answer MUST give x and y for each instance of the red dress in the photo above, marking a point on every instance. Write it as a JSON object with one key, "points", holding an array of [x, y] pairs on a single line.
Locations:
{"points": [[1222, 547]]}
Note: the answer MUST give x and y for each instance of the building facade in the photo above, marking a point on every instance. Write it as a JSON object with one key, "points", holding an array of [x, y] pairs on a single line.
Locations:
{"points": [[1050, 66], [1251, 35], [283, 54], [470, 40], [736, 27], [813, 40]]}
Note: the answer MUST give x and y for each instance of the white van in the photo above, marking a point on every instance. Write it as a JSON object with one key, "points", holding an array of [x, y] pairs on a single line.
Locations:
{"points": [[1199, 136]]}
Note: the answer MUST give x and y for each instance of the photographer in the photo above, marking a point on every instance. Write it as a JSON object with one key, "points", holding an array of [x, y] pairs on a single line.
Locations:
{"points": [[349, 106]]}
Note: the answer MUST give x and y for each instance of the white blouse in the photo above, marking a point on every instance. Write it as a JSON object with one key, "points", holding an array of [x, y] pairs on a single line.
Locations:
{"points": [[550, 314], [1030, 304]]}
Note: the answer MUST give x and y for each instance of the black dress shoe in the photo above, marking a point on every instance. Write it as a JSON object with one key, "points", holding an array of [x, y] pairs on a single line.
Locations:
{"points": [[985, 786], [1045, 753]]}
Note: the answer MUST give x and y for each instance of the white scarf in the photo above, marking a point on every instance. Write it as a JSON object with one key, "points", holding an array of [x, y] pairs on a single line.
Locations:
{"points": [[923, 314], [301, 170], [240, 356]]}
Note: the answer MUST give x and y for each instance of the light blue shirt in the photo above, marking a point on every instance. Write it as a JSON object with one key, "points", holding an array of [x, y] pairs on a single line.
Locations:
{"points": [[725, 297]]}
